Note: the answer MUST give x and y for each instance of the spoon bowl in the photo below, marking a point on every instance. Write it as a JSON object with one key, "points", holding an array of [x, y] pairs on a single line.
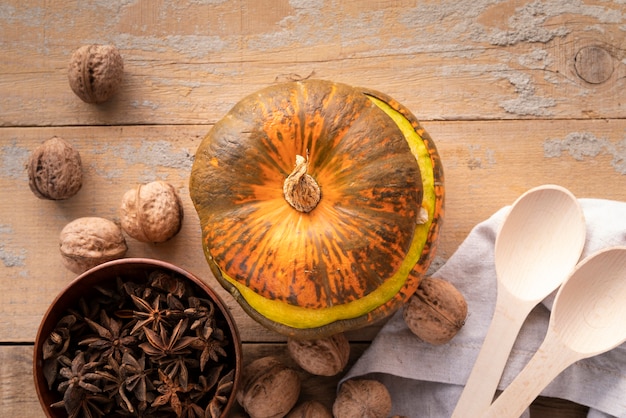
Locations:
{"points": [[539, 243], [590, 314], [537, 246], [588, 317]]}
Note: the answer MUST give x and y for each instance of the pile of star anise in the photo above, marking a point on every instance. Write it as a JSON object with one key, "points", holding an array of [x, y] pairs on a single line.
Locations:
{"points": [[143, 348]]}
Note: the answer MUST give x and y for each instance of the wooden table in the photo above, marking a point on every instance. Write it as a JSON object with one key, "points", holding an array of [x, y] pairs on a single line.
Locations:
{"points": [[514, 93]]}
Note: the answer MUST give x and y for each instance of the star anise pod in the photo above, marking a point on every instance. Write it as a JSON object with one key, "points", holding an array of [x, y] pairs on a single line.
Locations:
{"points": [[169, 389], [111, 297], [162, 345], [137, 377], [223, 391], [85, 404], [112, 338], [59, 339], [201, 311], [55, 346], [179, 366], [115, 384], [211, 345], [190, 409], [86, 310], [167, 283], [148, 314], [79, 377], [175, 308], [206, 383]]}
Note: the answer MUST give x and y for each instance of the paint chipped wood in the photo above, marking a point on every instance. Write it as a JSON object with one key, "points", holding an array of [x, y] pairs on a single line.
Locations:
{"points": [[515, 93]]}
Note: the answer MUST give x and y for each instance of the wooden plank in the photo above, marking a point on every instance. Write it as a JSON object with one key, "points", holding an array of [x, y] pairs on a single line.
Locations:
{"points": [[19, 399], [487, 165], [17, 387], [188, 63]]}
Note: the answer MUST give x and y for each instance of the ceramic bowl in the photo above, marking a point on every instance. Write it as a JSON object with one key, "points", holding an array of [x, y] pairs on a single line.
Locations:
{"points": [[106, 276]]}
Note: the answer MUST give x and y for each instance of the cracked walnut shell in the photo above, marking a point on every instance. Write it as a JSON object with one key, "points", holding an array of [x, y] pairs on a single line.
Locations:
{"points": [[269, 389], [151, 212], [89, 241], [95, 72], [321, 357], [55, 170], [436, 311]]}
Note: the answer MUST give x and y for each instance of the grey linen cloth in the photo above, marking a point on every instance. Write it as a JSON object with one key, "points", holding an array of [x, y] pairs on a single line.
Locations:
{"points": [[426, 380]]}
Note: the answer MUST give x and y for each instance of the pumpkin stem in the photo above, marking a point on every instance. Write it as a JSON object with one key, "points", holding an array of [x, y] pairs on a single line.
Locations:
{"points": [[300, 189]]}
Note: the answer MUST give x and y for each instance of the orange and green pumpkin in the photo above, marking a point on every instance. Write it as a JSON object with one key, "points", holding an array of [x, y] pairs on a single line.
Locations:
{"points": [[320, 205]]}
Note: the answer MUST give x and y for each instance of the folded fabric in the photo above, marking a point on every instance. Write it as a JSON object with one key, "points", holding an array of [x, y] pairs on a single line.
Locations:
{"points": [[426, 380]]}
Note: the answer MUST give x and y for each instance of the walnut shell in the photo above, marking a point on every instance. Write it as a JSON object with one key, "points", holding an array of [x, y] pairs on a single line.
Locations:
{"points": [[436, 311], [95, 72], [55, 170], [310, 409], [152, 212], [322, 357], [87, 242], [268, 389], [362, 398]]}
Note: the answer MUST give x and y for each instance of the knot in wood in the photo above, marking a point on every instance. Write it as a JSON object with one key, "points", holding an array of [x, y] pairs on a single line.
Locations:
{"points": [[594, 64]]}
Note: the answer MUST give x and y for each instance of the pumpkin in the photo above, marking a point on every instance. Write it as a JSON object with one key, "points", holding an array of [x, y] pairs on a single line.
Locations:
{"points": [[320, 205]]}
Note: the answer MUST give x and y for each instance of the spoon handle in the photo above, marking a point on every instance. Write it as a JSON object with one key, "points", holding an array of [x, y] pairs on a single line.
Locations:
{"points": [[551, 358], [508, 317]]}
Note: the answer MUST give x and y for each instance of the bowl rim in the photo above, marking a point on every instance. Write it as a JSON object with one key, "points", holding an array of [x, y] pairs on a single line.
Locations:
{"points": [[52, 315]]}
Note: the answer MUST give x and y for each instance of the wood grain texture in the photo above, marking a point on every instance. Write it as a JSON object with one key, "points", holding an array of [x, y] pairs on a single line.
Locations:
{"points": [[487, 165], [188, 62], [515, 93]]}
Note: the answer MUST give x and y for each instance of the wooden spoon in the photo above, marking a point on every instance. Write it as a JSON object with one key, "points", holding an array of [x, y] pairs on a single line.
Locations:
{"points": [[537, 246], [587, 319]]}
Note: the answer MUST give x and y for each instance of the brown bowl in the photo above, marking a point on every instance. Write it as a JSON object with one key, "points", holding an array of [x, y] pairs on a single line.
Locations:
{"points": [[106, 275]]}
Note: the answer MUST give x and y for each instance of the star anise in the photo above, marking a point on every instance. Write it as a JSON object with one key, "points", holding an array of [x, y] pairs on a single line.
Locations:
{"points": [[201, 311], [211, 344], [85, 404], [179, 366], [141, 349], [190, 409], [115, 384], [168, 283], [206, 383], [137, 378], [86, 310], [78, 377], [153, 314], [169, 389], [223, 391], [162, 345], [112, 338], [149, 314], [55, 346]]}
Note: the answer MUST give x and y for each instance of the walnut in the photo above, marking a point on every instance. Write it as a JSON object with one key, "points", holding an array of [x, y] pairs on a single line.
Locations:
{"points": [[436, 311], [55, 170], [87, 242], [362, 398], [95, 72], [310, 409], [322, 357], [268, 388], [152, 212]]}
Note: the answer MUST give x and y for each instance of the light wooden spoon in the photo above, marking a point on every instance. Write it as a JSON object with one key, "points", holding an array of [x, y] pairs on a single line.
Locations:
{"points": [[587, 319], [537, 246]]}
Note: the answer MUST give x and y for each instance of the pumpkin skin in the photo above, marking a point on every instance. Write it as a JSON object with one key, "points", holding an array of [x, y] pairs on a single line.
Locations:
{"points": [[360, 253]]}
